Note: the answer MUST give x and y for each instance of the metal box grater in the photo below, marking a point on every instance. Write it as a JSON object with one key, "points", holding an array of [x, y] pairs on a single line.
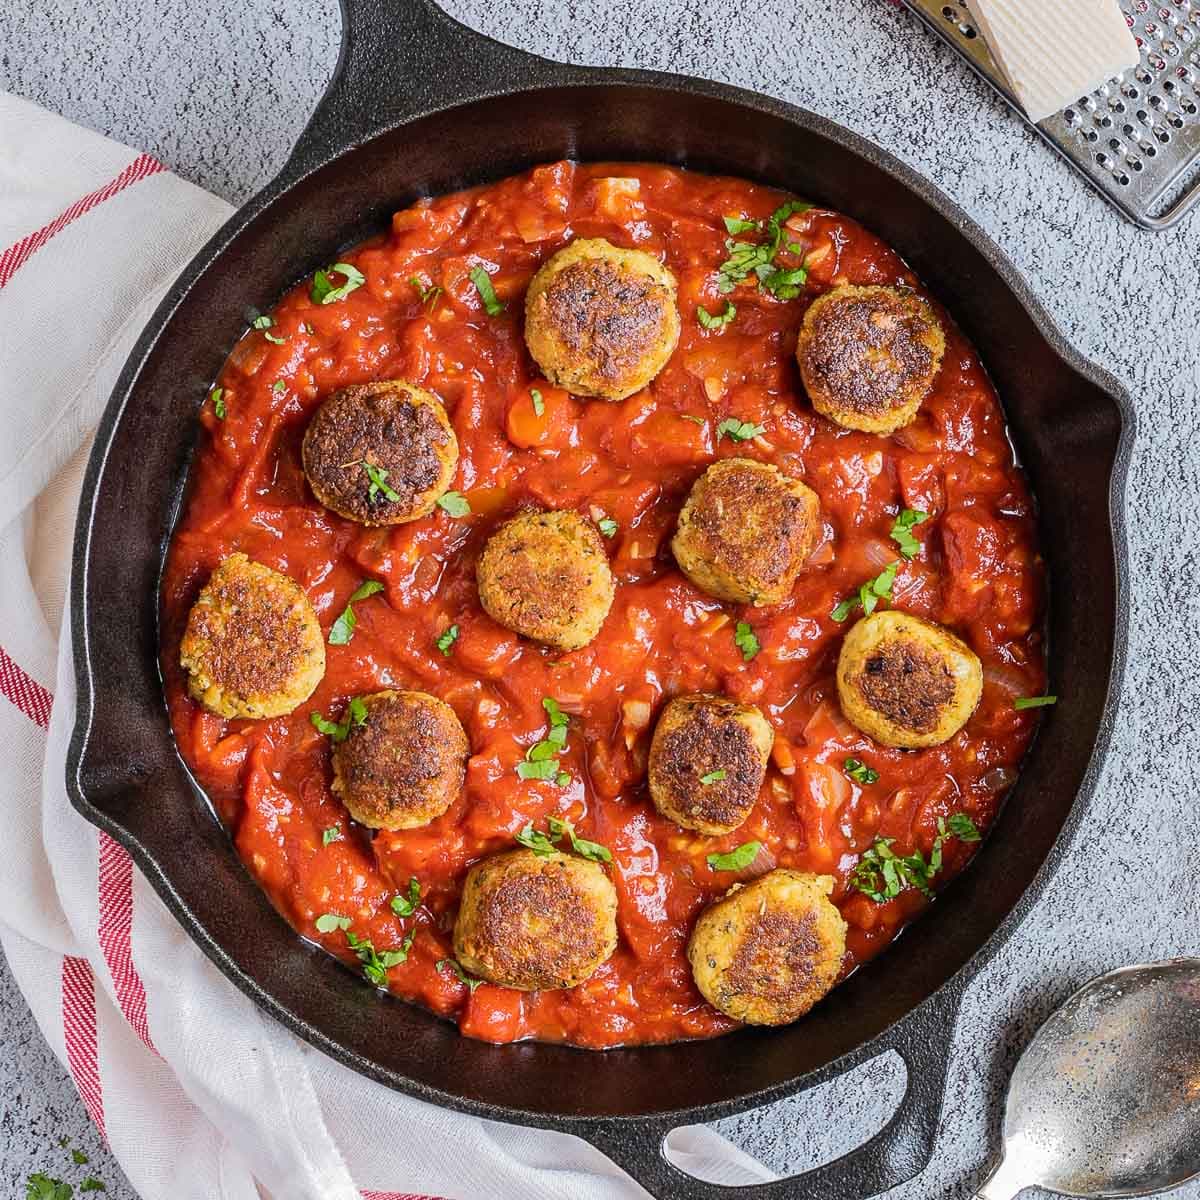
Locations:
{"points": [[1137, 138]]}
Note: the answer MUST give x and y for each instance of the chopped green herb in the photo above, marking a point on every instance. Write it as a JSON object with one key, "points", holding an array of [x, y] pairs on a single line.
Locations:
{"points": [[562, 779], [540, 759], [745, 641], [323, 289], [64, 1141], [1024, 702], [217, 396], [332, 834], [447, 640], [881, 874], [539, 405], [343, 628], [713, 776], [533, 769], [331, 922], [535, 840], [694, 420], [737, 859], [710, 321], [377, 965], [92, 1184], [858, 770], [869, 595], [265, 323], [483, 284], [356, 714], [378, 477], [428, 295], [79, 1158], [279, 387], [455, 503], [739, 225], [901, 532], [456, 969], [749, 258], [585, 849], [786, 284], [738, 431], [406, 905], [42, 1187], [607, 526]]}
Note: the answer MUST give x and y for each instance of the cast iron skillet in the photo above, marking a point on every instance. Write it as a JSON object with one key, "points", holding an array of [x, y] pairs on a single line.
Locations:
{"points": [[420, 105]]}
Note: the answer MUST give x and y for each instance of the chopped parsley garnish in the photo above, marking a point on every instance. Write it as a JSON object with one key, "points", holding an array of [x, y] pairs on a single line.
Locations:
{"points": [[323, 289], [739, 225], [343, 628], [217, 396], [428, 295], [376, 966], [265, 323], [447, 640], [738, 431], [541, 759], [42, 1187], [901, 532], [332, 834], [378, 477], [79, 1158], [745, 641], [585, 849], [607, 526], [279, 387], [405, 905], [456, 969], [483, 284], [738, 859], [92, 1184], [860, 772], [882, 874], [750, 258], [713, 776], [539, 405], [356, 714], [869, 595], [331, 922], [1024, 702], [716, 321], [535, 840], [455, 503]]}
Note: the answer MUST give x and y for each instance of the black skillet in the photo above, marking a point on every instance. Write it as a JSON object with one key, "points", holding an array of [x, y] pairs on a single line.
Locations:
{"points": [[420, 105]]}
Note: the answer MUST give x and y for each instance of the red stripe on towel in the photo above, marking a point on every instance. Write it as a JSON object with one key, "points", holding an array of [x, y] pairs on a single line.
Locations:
{"points": [[79, 1029], [24, 691]]}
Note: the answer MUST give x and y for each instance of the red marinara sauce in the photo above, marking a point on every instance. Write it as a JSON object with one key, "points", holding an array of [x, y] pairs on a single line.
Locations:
{"points": [[979, 572]]}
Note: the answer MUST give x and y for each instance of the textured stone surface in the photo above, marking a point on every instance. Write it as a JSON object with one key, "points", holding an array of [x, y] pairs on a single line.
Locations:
{"points": [[218, 91]]}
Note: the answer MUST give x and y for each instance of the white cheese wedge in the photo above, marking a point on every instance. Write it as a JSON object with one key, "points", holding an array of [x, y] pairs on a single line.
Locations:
{"points": [[1054, 51]]}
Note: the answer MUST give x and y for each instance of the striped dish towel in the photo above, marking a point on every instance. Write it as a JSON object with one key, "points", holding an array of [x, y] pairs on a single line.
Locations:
{"points": [[199, 1096]]}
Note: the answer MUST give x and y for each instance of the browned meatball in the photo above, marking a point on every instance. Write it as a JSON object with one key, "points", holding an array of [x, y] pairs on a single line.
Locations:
{"points": [[545, 575], [707, 761], [404, 764], [601, 321], [380, 453], [529, 922], [745, 532], [869, 355], [768, 951], [253, 645]]}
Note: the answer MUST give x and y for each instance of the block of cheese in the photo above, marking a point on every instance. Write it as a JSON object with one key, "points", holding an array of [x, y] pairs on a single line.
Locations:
{"points": [[1054, 51]]}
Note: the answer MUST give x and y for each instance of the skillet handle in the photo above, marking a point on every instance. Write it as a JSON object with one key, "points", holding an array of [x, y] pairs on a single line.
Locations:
{"points": [[898, 1152], [400, 59]]}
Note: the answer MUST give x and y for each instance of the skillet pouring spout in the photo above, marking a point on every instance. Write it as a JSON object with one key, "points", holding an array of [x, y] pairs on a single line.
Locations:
{"points": [[421, 106]]}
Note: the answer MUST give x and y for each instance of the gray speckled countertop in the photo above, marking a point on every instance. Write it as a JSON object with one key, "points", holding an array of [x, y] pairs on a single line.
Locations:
{"points": [[218, 90]]}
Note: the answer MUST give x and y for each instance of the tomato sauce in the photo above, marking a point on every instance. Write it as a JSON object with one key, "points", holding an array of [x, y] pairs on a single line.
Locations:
{"points": [[979, 573]]}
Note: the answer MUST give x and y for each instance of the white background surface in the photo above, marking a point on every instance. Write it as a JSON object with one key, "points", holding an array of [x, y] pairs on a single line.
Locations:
{"points": [[218, 89]]}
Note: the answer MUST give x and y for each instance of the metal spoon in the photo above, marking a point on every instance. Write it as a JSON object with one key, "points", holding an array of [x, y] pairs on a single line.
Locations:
{"points": [[1105, 1102]]}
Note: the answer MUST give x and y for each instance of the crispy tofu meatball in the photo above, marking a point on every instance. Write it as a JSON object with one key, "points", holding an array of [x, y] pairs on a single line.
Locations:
{"points": [[601, 321], [253, 645], [767, 952], [404, 765], [746, 531], [545, 575], [707, 761], [907, 682], [529, 922], [400, 432], [869, 355]]}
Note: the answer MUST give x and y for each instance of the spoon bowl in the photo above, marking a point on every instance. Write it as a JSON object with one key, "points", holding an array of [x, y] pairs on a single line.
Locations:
{"points": [[1105, 1101]]}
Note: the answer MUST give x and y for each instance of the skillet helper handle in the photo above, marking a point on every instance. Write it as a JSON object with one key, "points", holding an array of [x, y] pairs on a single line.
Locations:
{"points": [[897, 1153], [399, 59]]}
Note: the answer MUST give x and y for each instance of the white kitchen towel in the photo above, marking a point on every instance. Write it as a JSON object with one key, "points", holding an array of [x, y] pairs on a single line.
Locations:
{"points": [[199, 1095]]}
